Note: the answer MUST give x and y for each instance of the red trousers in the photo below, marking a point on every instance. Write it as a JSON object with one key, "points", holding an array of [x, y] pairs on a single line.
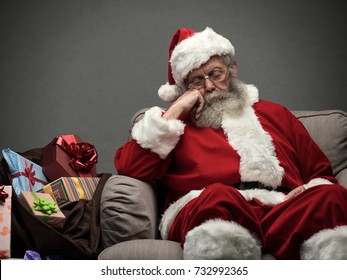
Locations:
{"points": [[281, 229]]}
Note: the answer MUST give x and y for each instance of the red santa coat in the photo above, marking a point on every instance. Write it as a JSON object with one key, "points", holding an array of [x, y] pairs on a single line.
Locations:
{"points": [[202, 156], [265, 143]]}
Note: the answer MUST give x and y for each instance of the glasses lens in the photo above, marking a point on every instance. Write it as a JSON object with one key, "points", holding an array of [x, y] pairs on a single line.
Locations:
{"points": [[197, 84], [217, 76]]}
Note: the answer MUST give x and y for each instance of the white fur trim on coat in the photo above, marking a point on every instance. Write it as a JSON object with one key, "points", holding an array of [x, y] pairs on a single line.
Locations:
{"points": [[316, 182], [156, 133], [258, 160], [172, 211], [266, 197], [253, 93], [218, 239], [327, 244], [196, 50]]}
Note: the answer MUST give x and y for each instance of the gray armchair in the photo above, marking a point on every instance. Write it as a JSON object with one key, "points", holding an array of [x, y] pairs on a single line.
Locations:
{"points": [[129, 209]]}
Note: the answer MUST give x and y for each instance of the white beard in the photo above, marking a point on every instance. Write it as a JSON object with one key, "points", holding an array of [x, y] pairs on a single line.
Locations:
{"points": [[219, 103]]}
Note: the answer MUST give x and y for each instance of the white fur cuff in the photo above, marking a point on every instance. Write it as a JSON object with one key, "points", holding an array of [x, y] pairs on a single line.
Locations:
{"points": [[218, 239], [328, 244], [157, 134], [266, 197], [316, 182]]}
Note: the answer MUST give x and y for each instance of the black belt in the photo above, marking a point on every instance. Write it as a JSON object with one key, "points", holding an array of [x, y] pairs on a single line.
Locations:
{"points": [[258, 185]]}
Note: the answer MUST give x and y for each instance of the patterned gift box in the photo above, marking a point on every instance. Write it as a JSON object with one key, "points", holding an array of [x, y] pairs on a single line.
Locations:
{"points": [[28, 199], [5, 221], [69, 156], [66, 190], [26, 175]]}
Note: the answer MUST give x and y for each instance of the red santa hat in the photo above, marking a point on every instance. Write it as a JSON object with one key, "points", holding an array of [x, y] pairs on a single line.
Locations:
{"points": [[189, 50]]}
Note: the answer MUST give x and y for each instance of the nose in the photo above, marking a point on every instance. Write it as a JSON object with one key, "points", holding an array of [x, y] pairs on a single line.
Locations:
{"points": [[209, 85]]}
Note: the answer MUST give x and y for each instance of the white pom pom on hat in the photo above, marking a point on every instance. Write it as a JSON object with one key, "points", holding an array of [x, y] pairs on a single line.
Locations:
{"points": [[169, 93], [189, 50]]}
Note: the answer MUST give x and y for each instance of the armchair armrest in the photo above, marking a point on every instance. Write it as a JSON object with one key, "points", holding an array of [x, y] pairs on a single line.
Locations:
{"points": [[128, 210], [342, 177]]}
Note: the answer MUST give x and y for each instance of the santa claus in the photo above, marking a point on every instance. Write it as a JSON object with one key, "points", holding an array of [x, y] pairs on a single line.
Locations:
{"points": [[243, 176]]}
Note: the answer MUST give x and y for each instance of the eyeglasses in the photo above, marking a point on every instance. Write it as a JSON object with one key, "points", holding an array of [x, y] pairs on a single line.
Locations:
{"points": [[216, 76]]}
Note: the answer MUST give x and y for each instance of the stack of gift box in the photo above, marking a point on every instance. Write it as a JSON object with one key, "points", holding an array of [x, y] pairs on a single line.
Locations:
{"points": [[66, 175]]}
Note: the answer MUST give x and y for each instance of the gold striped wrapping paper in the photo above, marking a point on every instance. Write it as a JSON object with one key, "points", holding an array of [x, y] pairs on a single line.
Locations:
{"points": [[66, 190]]}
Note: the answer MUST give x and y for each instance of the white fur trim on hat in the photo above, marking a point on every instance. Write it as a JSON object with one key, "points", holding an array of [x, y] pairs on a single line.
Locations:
{"points": [[156, 133], [218, 239], [169, 93], [327, 244], [171, 212], [196, 50]]}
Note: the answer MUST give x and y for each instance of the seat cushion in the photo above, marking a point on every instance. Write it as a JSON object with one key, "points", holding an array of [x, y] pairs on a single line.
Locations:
{"points": [[328, 129], [145, 249]]}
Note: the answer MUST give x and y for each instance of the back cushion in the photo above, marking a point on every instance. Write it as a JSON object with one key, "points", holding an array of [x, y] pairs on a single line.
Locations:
{"points": [[329, 130]]}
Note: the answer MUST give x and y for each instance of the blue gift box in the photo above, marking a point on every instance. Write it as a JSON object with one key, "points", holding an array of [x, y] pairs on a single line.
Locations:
{"points": [[26, 175]]}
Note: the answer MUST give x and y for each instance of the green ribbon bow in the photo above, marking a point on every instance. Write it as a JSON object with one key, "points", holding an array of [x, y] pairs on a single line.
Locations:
{"points": [[45, 205]]}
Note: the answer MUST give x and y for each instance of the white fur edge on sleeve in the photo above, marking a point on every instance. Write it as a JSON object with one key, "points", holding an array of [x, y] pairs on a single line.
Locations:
{"points": [[316, 182], [266, 197], [157, 134]]}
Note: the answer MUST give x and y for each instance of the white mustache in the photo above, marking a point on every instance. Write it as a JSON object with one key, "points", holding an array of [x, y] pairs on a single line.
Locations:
{"points": [[219, 103]]}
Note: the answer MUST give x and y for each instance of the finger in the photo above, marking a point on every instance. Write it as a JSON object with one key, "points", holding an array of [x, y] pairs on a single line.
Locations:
{"points": [[200, 106], [294, 192], [288, 196]]}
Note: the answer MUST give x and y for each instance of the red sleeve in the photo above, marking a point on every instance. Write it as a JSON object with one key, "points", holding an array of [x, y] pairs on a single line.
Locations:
{"points": [[134, 161]]}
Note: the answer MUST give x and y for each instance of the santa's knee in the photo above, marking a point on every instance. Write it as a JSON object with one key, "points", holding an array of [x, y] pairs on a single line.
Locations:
{"points": [[219, 239], [327, 244]]}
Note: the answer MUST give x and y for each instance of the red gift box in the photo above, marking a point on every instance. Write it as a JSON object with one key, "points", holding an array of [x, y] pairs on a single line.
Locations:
{"points": [[69, 156]]}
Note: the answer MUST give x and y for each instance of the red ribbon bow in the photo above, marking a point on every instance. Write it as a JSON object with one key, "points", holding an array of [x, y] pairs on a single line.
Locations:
{"points": [[3, 195], [83, 155], [30, 174]]}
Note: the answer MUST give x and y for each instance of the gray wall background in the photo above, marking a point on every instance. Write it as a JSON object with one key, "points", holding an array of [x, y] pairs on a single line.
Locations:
{"points": [[85, 66]]}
